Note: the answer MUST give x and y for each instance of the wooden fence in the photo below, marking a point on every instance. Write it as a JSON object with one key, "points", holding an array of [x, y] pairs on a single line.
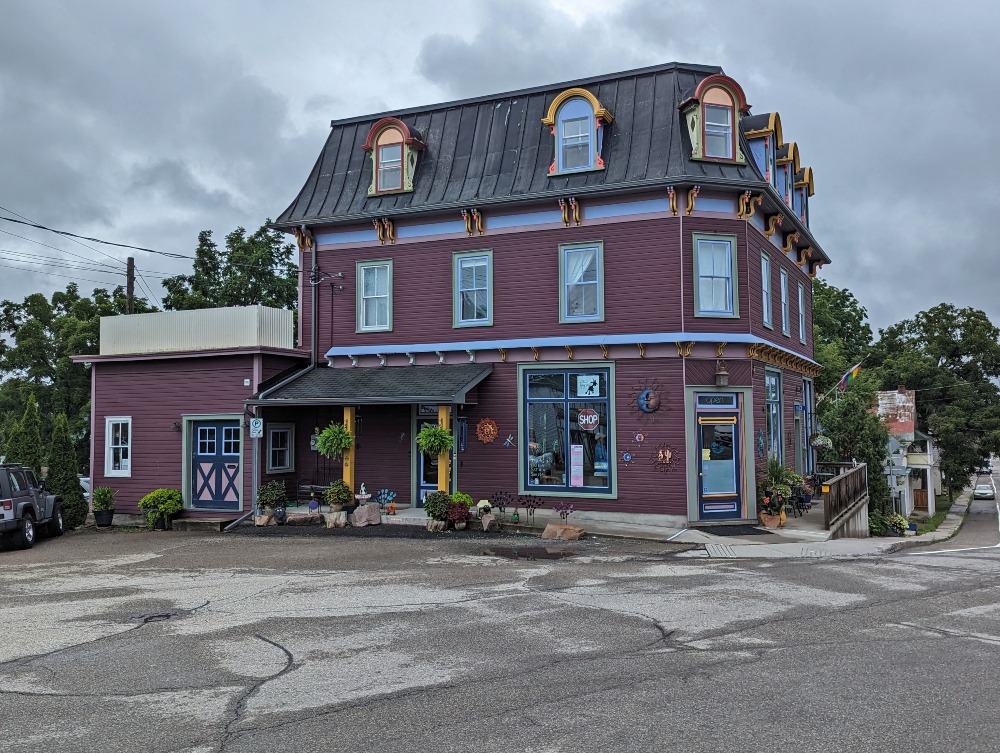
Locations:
{"points": [[844, 495]]}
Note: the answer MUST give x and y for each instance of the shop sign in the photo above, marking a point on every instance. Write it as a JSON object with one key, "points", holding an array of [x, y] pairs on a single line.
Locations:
{"points": [[588, 419], [588, 385]]}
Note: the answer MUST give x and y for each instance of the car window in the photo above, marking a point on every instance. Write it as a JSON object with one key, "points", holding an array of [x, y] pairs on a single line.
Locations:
{"points": [[18, 483], [30, 476]]}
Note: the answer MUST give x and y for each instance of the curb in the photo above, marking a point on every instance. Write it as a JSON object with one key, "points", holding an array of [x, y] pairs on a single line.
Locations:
{"points": [[948, 529]]}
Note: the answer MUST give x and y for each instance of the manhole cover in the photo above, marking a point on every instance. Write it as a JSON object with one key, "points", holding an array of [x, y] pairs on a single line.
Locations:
{"points": [[528, 553]]}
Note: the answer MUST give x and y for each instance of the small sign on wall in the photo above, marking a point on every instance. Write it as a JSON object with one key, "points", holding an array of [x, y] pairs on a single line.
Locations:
{"points": [[588, 385], [256, 428], [427, 409], [576, 465]]}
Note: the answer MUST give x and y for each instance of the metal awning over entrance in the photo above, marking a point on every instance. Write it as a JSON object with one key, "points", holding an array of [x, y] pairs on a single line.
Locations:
{"points": [[381, 385]]}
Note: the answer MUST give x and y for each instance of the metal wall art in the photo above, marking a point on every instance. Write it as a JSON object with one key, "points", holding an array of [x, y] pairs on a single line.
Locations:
{"points": [[648, 399], [487, 430], [663, 457]]}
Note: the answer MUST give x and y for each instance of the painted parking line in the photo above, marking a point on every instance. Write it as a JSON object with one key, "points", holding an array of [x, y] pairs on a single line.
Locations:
{"points": [[970, 548]]}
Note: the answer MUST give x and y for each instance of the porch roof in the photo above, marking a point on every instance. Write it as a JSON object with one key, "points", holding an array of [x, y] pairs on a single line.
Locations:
{"points": [[378, 385]]}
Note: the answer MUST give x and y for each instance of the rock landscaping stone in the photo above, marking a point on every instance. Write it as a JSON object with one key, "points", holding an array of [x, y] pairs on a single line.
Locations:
{"points": [[366, 515], [336, 520], [562, 532], [490, 523], [267, 519]]}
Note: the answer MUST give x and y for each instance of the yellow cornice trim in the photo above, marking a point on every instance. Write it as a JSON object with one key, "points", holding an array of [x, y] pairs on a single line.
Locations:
{"points": [[599, 110]]}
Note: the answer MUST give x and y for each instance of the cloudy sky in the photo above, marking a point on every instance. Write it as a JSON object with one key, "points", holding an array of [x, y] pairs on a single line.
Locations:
{"points": [[144, 123]]}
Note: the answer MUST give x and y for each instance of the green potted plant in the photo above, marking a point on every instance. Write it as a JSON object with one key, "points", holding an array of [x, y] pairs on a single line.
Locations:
{"points": [[434, 440], [273, 495], [462, 498], [334, 441], [160, 505], [103, 500], [436, 505], [338, 496], [459, 515]]}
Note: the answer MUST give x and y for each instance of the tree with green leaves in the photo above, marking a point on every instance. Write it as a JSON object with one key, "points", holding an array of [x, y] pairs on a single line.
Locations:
{"points": [[24, 445], [37, 338], [951, 356], [258, 268], [842, 334], [63, 478]]}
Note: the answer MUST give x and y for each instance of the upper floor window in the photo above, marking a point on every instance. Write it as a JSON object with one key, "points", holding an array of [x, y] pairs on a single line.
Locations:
{"points": [[581, 282], [118, 446], [765, 284], [785, 305], [714, 275], [374, 296], [576, 119], [772, 413], [712, 115], [473, 304], [393, 146], [802, 313]]}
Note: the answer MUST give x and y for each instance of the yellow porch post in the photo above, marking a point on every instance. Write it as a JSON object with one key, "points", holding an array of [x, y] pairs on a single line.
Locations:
{"points": [[444, 459], [349, 454]]}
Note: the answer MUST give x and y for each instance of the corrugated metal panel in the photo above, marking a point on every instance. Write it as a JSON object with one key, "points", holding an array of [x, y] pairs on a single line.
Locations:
{"points": [[205, 329]]}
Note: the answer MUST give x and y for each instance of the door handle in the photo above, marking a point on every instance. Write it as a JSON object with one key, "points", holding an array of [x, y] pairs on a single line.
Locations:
{"points": [[231, 466]]}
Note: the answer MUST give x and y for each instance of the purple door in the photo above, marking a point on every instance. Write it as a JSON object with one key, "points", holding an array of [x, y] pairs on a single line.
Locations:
{"points": [[215, 465]]}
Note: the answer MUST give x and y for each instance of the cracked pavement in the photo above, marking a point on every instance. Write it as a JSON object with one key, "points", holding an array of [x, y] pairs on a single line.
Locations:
{"points": [[203, 643]]}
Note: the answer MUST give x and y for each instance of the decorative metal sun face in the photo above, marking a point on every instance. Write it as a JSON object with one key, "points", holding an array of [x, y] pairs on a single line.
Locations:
{"points": [[648, 399]]}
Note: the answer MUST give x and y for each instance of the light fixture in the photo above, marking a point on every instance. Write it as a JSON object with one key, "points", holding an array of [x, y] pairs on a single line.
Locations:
{"points": [[721, 375]]}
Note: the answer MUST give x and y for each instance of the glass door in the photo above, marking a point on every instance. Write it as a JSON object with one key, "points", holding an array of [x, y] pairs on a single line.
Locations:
{"points": [[719, 465]]}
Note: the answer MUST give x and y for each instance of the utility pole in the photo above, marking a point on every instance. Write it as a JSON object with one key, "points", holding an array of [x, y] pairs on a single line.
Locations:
{"points": [[130, 286]]}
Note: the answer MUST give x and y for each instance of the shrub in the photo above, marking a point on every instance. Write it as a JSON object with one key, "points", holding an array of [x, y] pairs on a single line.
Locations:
{"points": [[62, 479], [334, 440], [436, 505], [272, 494], [462, 498], [458, 512], [877, 523], [434, 440], [165, 502], [103, 498], [339, 493]]}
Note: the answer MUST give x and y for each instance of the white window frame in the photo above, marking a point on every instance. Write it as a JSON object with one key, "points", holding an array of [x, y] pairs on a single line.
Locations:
{"points": [[719, 129], [565, 249], [389, 166], [109, 448], [765, 286], [732, 311], [802, 313], [785, 304], [288, 429], [485, 256], [362, 324], [572, 110]]}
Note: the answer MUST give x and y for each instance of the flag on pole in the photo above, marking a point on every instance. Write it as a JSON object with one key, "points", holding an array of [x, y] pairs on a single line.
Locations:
{"points": [[850, 376]]}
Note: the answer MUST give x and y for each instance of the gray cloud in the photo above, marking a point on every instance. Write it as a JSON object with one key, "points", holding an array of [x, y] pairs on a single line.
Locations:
{"points": [[145, 123]]}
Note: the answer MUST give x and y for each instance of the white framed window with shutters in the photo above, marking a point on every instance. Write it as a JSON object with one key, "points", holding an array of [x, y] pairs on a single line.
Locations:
{"points": [[118, 446], [581, 282], [280, 448], [473, 289], [374, 304]]}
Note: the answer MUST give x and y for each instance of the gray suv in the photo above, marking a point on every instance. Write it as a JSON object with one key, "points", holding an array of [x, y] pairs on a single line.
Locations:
{"points": [[25, 507]]}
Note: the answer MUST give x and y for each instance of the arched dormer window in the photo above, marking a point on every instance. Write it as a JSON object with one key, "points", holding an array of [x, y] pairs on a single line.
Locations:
{"points": [[577, 119], [394, 148], [713, 114]]}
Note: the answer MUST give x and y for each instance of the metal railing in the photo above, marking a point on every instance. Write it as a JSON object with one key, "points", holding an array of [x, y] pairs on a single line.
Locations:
{"points": [[841, 494]]}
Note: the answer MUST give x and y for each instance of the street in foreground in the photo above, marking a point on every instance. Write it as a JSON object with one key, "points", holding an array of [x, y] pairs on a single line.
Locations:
{"points": [[195, 643]]}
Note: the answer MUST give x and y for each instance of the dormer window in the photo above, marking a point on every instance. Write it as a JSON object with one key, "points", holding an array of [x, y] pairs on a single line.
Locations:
{"points": [[393, 146], [712, 113], [576, 120]]}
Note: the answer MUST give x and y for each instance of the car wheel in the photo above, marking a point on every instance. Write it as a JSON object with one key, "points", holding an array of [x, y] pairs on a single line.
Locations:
{"points": [[25, 538], [56, 527]]}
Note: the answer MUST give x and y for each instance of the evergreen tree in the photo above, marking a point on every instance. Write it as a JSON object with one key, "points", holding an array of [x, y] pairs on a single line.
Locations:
{"points": [[11, 438], [25, 443], [63, 479]]}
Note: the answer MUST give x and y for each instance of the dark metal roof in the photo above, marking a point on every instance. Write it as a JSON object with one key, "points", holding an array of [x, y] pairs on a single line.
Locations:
{"points": [[377, 385], [495, 149]]}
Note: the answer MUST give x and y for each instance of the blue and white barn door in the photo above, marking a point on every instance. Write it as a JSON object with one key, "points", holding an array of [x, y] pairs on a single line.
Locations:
{"points": [[215, 465], [719, 466]]}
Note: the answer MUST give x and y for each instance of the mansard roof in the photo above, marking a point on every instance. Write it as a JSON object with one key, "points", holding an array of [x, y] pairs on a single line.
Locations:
{"points": [[494, 149]]}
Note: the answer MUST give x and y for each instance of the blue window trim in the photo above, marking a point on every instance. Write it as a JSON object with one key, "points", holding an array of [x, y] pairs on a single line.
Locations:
{"points": [[734, 299], [564, 316], [457, 258], [594, 135], [582, 367]]}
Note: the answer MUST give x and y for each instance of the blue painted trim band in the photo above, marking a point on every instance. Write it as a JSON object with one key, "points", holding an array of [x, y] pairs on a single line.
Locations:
{"points": [[559, 342], [648, 206]]}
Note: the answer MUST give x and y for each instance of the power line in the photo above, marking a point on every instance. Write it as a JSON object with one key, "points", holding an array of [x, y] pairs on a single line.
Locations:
{"points": [[51, 262], [55, 274], [54, 248]]}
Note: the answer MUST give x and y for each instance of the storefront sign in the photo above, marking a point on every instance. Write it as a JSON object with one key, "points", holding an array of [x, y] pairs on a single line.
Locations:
{"points": [[588, 385], [588, 419], [576, 465]]}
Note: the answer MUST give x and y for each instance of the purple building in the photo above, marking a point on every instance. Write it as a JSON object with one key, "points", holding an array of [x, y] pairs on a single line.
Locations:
{"points": [[602, 287]]}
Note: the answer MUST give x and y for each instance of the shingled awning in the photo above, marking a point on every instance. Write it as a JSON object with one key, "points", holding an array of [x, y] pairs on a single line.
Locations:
{"points": [[380, 385]]}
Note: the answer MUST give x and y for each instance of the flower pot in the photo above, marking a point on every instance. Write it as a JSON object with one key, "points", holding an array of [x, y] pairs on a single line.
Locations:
{"points": [[782, 518], [336, 508], [280, 515], [460, 526], [770, 521], [103, 518], [160, 524]]}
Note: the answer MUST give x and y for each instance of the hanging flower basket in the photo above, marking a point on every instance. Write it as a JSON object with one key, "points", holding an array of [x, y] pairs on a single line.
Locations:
{"points": [[821, 442], [434, 440], [334, 440]]}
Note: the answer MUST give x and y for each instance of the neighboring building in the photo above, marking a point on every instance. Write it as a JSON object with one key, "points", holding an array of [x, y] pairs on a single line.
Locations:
{"points": [[602, 285], [913, 469], [167, 394]]}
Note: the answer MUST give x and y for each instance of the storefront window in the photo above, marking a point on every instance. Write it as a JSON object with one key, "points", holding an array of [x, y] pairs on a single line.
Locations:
{"points": [[567, 423]]}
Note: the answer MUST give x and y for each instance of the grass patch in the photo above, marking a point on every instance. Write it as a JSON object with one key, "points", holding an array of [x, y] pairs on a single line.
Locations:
{"points": [[941, 506]]}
